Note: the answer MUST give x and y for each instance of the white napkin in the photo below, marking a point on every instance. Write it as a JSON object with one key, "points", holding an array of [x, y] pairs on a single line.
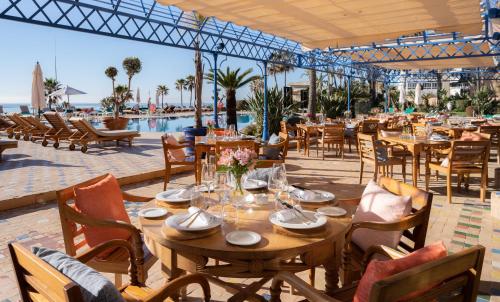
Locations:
{"points": [[178, 193], [288, 215], [202, 219], [445, 163], [303, 194]]}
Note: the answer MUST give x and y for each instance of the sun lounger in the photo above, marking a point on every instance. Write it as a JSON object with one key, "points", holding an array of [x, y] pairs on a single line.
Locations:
{"points": [[62, 131], [6, 144], [90, 134], [20, 127], [25, 110], [40, 130]]}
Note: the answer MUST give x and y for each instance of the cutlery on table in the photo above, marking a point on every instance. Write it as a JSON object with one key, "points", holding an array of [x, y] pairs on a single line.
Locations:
{"points": [[289, 206]]}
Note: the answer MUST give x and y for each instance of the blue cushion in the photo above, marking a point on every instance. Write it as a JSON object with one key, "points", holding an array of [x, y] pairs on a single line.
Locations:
{"points": [[270, 152], [94, 286]]}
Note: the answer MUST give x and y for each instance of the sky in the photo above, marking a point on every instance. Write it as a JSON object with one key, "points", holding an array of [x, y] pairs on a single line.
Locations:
{"points": [[82, 59]]}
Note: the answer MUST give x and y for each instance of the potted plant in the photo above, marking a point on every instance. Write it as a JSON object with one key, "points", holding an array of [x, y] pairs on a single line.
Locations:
{"points": [[121, 93]]}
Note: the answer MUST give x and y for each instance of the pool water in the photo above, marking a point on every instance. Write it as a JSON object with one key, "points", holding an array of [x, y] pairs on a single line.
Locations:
{"points": [[175, 124]]}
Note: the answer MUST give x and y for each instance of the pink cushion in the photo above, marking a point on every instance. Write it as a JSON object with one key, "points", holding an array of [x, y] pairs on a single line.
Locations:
{"points": [[471, 136], [379, 205], [175, 154], [102, 200], [378, 270], [385, 133]]}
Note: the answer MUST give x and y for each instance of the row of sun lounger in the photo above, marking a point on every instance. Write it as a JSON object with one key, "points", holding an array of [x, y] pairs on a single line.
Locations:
{"points": [[80, 133]]}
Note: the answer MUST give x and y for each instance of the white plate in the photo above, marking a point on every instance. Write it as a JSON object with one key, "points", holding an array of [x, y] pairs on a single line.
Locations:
{"points": [[244, 238], [152, 212], [254, 184], [167, 196], [332, 211], [173, 221], [320, 196], [299, 223], [204, 188]]}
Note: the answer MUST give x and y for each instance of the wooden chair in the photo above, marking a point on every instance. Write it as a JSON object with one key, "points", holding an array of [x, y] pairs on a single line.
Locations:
{"points": [[369, 127], [282, 146], [6, 144], [72, 223], [39, 281], [465, 158], [169, 161], [418, 129], [494, 131], [332, 136], [39, 129], [453, 278], [414, 226], [351, 136], [21, 128], [62, 131], [291, 131], [222, 145], [379, 154]]}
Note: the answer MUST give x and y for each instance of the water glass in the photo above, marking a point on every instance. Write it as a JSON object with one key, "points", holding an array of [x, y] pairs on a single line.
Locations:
{"points": [[197, 199], [207, 176]]}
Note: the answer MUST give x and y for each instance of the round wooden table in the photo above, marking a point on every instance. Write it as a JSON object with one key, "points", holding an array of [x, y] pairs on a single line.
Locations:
{"points": [[279, 250]]}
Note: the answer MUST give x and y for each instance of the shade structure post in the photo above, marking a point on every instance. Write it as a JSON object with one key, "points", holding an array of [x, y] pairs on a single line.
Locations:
{"points": [[265, 128], [386, 103], [216, 97], [349, 93]]}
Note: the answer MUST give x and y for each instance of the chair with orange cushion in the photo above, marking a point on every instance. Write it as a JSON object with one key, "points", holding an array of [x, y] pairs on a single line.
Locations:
{"points": [[39, 280], [494, 132], [454, 277], [93, 212], [173, 152]]}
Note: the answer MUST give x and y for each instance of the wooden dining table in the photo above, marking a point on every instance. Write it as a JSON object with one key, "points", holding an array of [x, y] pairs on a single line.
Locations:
{"points": [[416, 145], [454, 131], [279, 250], [311, 130]]}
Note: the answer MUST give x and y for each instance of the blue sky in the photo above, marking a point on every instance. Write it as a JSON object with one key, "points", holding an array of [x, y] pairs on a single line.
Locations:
{"points": [[82, 59]]}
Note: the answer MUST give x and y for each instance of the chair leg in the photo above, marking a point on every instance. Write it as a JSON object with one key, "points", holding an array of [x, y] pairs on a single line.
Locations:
{"points": [[484, 185], [342, 149], [375, 174], [312, 275], [361, 165], [118, 280], [167, 176], [323, 151], [448, 187]]}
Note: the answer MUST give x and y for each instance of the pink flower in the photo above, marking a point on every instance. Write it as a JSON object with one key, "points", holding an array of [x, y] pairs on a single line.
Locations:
{"points": [[210, 123]]}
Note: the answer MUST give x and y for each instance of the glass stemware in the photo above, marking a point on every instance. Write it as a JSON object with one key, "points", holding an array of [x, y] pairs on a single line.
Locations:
{"points": [[207, 176], [222, 188], [277, 182], [197, 199]]}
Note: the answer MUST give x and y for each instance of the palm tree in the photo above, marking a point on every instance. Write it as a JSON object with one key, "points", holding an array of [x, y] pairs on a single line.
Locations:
{"points": [[180, 85], [311, 105], [111, 72], [162, 90], [276, 68], [51, 85], [198, 65], [132, 66], [190, 80], [231, 80]]}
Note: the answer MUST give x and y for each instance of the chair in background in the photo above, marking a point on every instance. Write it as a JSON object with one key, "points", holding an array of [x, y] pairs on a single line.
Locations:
{"points": [[174, 155], [332, 136], [351, 136], [465, 158], [282, 146], [291, 132], [62, 131], [25, 110], [39, 281], [73, 223], [39, 129], [20, 128], [6, 144], [249, 144], [369, 127], [455, 277], [494, 131], [378, 154], [418, 129]]}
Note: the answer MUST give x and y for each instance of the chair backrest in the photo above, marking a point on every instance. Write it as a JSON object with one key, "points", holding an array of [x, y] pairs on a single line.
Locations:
{"points": [[418, 129], [72, 231], [80, 125], [166, 148], [16, 118], [366, 146], [1, 109], [39, 281], [455, 277], [283, 127], [415, 225], [369, 126], [57, 122], [35, 122], [471, 152], [286, 141], [222, 145], [333, 132], [24, 109], [494, 131]]}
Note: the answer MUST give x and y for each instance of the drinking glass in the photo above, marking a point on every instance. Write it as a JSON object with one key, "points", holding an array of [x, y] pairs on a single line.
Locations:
{"points": [[207, 176], [277, 182], [197, 199], [222, 188]]}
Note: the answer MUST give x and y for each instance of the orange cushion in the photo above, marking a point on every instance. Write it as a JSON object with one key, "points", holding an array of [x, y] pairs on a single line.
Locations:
{"points": [[219, 132], [378, 270], [175, 154], [471, 136], [102, 200]]}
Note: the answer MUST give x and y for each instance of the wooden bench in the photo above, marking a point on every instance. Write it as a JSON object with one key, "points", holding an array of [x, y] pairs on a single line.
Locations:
{"points": [[6, 144]]}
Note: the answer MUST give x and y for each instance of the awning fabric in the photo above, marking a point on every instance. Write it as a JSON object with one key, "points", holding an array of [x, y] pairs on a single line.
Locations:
{"points": [[342, 23], [442, 64]]}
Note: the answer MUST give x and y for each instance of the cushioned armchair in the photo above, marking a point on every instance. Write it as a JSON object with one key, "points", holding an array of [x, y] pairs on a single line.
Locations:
{"points": [[173, 152], [100, 216], [40, 281], [281, 152]]}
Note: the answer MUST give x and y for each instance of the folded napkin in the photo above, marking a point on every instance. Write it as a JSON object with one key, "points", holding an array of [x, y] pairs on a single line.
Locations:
{"points": [[306, 195], [288, 215], [202, 219], [178, 193]]}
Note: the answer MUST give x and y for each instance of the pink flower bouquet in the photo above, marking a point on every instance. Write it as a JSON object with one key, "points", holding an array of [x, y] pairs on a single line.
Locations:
{"points": [[237, 162]]}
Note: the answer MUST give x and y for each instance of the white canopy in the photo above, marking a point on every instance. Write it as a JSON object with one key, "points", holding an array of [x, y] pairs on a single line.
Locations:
{"points": [[418, 94], [67, 90], [402, 93], [37, 89]]}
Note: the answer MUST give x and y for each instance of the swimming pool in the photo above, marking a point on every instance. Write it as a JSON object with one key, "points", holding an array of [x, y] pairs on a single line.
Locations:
{"points": [[173, 123]]}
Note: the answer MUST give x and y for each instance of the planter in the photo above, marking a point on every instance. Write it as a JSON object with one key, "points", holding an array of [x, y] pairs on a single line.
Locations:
{"points": [[189, 136], [112, 123]]}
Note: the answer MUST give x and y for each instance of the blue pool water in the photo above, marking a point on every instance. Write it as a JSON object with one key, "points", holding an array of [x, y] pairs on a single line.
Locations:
{"points": [[174, 124]]}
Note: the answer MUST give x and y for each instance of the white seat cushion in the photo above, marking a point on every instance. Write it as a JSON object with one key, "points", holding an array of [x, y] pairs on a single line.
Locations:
{"points": [[379, 205]]}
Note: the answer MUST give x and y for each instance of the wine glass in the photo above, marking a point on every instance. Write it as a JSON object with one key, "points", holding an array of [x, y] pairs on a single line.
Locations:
{"points": [[222, 188], [207, 176], [277, 182], [197, 197]]}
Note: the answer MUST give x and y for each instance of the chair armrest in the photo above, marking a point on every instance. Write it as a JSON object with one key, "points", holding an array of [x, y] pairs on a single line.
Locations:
{"points": [[380, 250], [173, 287], [350, 201], [306, 290], [134, 198], [175, 147]]}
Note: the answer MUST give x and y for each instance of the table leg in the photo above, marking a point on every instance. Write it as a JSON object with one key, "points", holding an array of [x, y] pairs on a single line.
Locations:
{"points": [[332, 266], [414, 170]]}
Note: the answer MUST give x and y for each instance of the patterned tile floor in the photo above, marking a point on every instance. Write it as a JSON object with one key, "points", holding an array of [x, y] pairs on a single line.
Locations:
{"points": [[463, 223]]}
